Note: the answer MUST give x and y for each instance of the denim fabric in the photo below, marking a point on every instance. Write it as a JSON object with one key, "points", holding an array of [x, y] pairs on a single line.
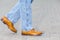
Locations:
{"points": [[22, 10], [32, 1], [14, 14]]}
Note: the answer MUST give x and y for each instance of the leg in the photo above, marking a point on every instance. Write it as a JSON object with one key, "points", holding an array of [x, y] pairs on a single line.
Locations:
{"points": [[26, 18], [14, 14], [12, 17]]}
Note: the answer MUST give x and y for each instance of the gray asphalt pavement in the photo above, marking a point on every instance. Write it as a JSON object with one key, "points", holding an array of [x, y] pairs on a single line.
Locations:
{"points": [[45, 17]]}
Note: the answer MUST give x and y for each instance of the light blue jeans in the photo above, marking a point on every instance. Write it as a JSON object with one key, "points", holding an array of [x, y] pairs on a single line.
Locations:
{"points": [[22, 10]]}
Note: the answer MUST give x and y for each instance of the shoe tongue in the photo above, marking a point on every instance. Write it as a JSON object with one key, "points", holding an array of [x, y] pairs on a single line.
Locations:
{"points": [[33, 30]]}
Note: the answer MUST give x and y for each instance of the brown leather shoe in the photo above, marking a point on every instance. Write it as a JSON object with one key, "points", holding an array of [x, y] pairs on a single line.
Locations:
{"points": [[31, 32], [9, 24]]}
